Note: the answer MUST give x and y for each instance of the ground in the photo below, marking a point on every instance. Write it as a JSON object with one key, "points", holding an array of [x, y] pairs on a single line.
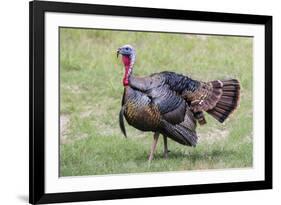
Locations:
{"points": [[91, 91]]}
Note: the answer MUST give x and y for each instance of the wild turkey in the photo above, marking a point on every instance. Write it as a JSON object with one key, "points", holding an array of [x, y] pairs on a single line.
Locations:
{"points": [[171, 103]]}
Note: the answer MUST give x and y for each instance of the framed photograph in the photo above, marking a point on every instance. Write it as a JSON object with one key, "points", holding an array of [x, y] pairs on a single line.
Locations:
{"points": [[130, 102]]}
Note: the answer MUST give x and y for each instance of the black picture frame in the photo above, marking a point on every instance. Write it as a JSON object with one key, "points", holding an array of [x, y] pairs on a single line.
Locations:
{"points": [[37, 192]]}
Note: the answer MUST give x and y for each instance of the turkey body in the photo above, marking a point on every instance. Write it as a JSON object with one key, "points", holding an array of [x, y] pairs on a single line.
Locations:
{"points": [[159, 109], [171, 103], [139, 111]]}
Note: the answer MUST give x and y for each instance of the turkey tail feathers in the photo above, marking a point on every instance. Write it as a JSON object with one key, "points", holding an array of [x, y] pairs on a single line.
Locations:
{"points": [[228, 99], [179, 133]]}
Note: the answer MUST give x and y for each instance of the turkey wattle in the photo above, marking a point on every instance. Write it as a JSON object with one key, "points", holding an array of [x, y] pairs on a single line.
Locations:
{"points": [[170, 104]]}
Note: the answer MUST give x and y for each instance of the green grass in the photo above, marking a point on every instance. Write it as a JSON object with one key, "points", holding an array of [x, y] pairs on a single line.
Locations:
{"points": [[91, 91]]}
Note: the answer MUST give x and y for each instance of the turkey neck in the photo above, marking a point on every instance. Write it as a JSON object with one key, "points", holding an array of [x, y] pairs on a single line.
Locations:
{"points": [[128, 64]]}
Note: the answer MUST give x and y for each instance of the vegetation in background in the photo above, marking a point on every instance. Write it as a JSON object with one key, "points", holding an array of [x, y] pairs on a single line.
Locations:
{"points": [[91, 91]]}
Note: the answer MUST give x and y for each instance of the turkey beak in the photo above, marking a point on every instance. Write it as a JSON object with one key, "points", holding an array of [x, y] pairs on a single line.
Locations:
{"points": [[118, 51]]}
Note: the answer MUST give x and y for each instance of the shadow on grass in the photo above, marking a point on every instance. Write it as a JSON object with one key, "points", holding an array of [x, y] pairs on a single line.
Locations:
{"points": [[192, 155]]}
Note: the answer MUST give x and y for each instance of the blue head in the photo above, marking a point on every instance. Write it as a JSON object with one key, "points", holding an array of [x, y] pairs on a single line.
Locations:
{"points": [[128, 58], [128, 53]]}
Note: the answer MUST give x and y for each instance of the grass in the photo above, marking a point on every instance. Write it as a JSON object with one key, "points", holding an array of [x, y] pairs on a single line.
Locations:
{"points": [[91, 91]]}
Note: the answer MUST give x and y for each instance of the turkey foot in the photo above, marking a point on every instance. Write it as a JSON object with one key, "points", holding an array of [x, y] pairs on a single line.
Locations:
{"points": [[153, 146]]}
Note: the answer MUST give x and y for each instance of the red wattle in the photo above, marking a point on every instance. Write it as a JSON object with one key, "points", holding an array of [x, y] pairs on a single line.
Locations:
{"points": [[126, 61], [125, 81], [126, 76]]}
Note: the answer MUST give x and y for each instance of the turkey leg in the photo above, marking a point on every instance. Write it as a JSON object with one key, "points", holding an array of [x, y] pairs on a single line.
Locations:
{"points": [[153, 146], [165, 147]]}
